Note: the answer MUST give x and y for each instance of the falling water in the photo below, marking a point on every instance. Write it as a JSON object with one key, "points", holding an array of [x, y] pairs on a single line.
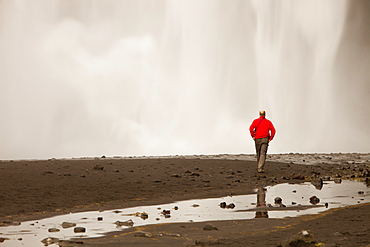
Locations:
{"points": [[142, 77]]}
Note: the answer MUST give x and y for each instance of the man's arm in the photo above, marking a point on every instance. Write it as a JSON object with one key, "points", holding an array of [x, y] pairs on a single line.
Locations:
{"points": [[272, 131], [251, 129]]}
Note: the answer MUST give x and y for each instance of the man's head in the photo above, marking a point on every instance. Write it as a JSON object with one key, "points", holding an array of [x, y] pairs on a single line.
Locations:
{"points": [[262, 113]]}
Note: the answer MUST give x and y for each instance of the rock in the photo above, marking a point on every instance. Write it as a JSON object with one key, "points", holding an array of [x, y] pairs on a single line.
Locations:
{"points": [[175, 176], [98, 167], [69, 243], [100, 218], [49, 241], [142, 234], [53, 230], [298, 176], [46, 173], [223, 205], [176, 208], [231, 205], [367, 181], [10, 223], [68, 225], [3, 239], [317, 182], [207, 243], [301, 239], [360, 192], [314, 200], [79, 229], [278, 200], [209, 227], [129, 223], [166, 212], [337, 180], [144, 216]]}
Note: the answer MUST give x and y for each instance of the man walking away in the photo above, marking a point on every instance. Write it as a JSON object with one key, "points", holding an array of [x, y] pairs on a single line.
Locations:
{"points": [[262, 132]]}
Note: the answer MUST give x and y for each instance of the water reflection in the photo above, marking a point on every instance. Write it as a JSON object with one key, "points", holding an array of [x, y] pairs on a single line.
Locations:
{"points": [[261, 211], [283, 200]]}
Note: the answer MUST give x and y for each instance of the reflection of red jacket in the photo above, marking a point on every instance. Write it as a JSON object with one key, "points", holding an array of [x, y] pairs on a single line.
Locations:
{"points": [[261, 128]]}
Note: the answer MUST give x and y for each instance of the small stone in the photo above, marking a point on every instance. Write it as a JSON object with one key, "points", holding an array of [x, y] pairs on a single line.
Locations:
{"points": [[176, 208], [3, 239], [100, 218], [207, 243], [314, 200], [278, 200], [69, 243], [129, 223], [360, 192], [142, 234], [79, 229], [209, 227], [49, 241], [231, 205], [53, 230], [337, 180], [68, 224], [223, 205], [98, 167]]}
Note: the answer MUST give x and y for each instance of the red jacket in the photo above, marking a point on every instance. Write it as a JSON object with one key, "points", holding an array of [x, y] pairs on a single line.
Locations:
{"points": [[261, 128]]}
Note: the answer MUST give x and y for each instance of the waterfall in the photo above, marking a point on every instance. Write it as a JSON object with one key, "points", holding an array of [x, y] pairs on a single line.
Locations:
{"points": [[142, 77]]}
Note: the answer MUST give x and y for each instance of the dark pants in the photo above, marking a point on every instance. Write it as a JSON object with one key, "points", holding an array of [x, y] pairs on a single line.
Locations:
{"points": [[261, 150]]}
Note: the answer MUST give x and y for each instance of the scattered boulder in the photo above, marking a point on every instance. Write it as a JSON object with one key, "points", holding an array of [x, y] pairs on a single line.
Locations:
{"points": [[231, 206], [166, 212], [207, 243], [301, 239], [142, 234], [79, 229], [298, 176], [68, 224], [49, 241], [278, 200], [337, 180], [53, 230], [318, 183], [10, 223], [100, 218], [314, 200], [129, 223], [209, 227], [69, 243], [3, 239], [99, 167]]}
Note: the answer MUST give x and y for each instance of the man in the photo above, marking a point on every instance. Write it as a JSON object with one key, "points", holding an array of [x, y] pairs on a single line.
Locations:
{"points": [[262, 132]]}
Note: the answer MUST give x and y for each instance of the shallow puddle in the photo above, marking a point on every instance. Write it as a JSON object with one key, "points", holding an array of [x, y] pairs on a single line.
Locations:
{"points": [[295, 198]]}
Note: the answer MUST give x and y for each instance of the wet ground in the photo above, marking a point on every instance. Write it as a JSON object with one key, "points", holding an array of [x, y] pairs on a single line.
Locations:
{"points": [[279, 201], [38, 189]]}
